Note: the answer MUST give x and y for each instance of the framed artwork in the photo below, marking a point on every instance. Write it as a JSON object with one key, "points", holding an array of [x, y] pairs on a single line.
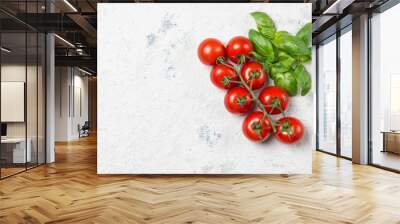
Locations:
{"points": [[160, 110]]}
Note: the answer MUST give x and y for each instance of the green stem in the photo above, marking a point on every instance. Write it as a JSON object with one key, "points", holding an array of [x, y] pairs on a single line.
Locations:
{"points": [[253, 95], [237, 82], [227, 65]]}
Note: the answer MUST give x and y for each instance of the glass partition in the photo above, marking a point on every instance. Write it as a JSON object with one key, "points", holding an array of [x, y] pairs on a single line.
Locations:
{"points": [[23, 89], [346, 92], [14, 155], [385, 89], [327, 96]]}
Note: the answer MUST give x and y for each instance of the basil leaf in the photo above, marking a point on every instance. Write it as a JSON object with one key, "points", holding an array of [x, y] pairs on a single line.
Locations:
{"points": [[305, 58], [258, 57], [265, 24], [262, 45], [304, 34], [287, 81], [278, 68], [285, 59], [290, 44], [266, 67], [303, 79]]}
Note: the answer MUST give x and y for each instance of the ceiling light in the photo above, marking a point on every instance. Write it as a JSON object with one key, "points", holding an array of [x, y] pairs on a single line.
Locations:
{"points": [[337, 7], [84, 71], [70, 5], [65, 41], [5, 50]]}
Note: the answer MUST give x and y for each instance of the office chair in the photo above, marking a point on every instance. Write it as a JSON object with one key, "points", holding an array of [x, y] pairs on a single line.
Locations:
{"points": [[84, 130]]}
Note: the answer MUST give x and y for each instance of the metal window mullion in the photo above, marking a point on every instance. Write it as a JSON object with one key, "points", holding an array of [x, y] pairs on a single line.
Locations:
{"points": [[45, 91], [369, 95], [26, 87], [317, 95], [72, 92], [37, 91], [0, 96], [69, 93], [338, 73]]}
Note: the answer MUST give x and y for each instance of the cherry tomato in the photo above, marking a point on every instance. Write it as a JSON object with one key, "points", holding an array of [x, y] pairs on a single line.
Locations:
{"points": [[254, 75], [210, 50], [289, 130], [275, 99], [237, 47], [257, 127], [238, 100], [222, 75]]}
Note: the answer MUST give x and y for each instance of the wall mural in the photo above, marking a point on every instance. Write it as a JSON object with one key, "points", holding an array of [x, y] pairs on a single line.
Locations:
{"points": [[159, 111]]}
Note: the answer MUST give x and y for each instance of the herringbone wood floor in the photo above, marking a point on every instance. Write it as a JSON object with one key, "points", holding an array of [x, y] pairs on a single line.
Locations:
{"points": [[70, 191]]}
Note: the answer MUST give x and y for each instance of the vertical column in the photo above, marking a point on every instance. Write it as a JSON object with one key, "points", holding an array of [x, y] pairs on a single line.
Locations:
{"points": [[360, 90]]}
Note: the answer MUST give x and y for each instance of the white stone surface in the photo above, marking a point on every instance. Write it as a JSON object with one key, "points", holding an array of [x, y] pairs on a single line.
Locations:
{"points": [[158, 112]]}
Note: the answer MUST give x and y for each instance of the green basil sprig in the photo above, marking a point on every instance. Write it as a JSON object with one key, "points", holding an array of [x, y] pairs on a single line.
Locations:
{"points": [[283, 54]]}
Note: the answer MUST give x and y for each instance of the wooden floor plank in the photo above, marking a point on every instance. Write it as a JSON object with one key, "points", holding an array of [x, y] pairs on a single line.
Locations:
{"points": [[70, 191]]}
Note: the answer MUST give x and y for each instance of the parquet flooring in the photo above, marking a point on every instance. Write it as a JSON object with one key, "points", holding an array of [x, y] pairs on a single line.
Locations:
{"points": [[70, 191]]}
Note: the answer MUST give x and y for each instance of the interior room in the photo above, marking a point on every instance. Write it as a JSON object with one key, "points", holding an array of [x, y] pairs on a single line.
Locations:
{"points": [[83, 141], [22, 105], [384, 89]]}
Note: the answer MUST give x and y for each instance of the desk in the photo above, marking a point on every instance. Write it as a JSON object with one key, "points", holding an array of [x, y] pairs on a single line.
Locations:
{"points": [[17, 150], [391, 141]]}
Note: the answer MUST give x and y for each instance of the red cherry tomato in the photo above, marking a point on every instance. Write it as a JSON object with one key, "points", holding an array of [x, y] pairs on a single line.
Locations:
{"points": [[257, 127], [238, 100], [275, 99], [237, 47], [254, 75], [289, 130], [210, 50], [222, 75]]}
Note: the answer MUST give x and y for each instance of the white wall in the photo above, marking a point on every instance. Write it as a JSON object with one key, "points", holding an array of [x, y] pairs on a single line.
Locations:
{"points": [[17, 72], [70, 83]]}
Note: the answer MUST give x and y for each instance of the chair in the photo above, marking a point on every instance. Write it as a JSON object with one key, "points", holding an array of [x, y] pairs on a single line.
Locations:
{"points": [[84, 130]]}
